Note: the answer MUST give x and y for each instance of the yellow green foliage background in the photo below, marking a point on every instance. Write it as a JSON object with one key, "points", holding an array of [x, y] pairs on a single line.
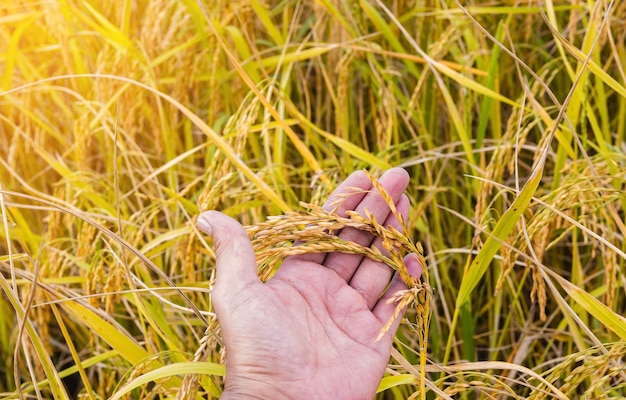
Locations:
{"points": [[121, 120]]}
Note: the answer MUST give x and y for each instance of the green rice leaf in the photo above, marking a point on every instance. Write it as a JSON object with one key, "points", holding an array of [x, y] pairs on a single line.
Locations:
{"points": [[503, 228]]}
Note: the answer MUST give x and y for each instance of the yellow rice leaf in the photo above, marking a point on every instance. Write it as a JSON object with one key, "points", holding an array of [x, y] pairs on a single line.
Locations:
{"points": [[591, 65], [396, 380], [299, 55], [38, 349], [458, 123], [22, 225], [12, 52], [126, 17], [355, 151], [349, 147], [472, 84], [107, 29], [14, 257], [15, 17], [215, 138], [169, 371], [464, 81], [613, 321], [161, 58], [91, 361], [163, 241], [507, 10], [127, 347], [337, 15], [241, 45], [130, 350], [272, 30]]}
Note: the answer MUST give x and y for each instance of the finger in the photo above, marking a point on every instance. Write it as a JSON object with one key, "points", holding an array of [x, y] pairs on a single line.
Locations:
{"points": [[384, 311], [372, 277], [395, 182], [345, 197], [349, 193], [236, 263]]}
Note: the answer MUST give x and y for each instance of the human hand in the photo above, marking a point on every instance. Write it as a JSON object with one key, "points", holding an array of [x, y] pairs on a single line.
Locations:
{"points": [[310, 331]]}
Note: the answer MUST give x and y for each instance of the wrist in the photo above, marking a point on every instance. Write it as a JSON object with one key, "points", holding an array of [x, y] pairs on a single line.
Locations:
{"points": [[251, 395], [231, 395], [253, 391]]}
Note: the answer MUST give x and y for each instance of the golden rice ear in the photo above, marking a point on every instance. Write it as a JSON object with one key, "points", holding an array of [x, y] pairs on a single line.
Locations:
{"points": [[315, 231], [341, 197], [419, 296], [383, 193]]}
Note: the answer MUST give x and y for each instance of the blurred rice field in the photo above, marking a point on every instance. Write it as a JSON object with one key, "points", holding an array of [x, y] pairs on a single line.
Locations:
{"points": [[121, 120]]}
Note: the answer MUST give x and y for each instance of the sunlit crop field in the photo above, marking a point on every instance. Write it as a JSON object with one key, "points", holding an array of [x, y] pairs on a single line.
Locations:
{"points": [[122, 120]]}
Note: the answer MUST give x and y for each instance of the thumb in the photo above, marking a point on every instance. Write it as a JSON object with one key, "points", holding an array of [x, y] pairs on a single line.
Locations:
{"points": [[236, 263]]}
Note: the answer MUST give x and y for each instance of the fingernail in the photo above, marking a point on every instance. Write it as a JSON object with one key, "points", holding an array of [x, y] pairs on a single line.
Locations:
{"points": [[204, 225]]}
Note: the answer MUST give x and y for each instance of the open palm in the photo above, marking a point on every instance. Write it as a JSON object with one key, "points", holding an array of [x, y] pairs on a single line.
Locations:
{"points": [[310, 331]]}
